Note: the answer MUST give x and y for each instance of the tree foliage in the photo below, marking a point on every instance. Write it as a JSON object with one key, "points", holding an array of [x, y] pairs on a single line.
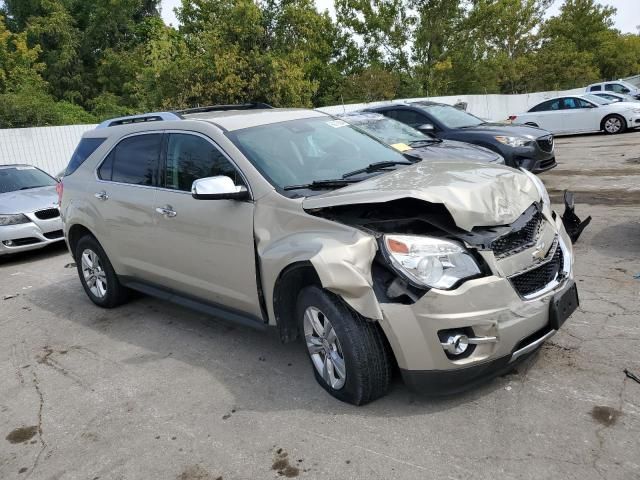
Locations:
{"points": [[70, 61]]}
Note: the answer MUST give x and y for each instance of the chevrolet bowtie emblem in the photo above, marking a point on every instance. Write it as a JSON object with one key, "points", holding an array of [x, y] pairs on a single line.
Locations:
{"points": [[539, 252]]}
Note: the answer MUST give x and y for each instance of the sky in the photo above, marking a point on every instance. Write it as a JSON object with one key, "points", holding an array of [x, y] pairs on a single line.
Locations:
{"points": [[627, 19]]}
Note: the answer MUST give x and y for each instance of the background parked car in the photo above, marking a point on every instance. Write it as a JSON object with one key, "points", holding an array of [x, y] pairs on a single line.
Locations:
{"points": [[521, 146], [407, 139], [581, 114], [616, 97], [617, 86], [29, 215]]}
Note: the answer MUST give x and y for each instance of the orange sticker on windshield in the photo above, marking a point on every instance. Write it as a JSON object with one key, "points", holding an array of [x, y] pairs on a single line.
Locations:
{"points": [[401, 147]]}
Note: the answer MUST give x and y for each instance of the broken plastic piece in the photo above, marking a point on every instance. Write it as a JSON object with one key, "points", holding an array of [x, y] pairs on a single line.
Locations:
{"points": [[631, 375], [572, 223]]}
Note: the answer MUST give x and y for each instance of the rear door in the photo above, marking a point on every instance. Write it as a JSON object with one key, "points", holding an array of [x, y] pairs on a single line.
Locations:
{"points": [[124, 200], [547, 115], [205, 247]]}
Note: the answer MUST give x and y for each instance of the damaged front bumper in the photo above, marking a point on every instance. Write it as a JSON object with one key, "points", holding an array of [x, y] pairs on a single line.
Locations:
{"points": [[503, 326]]}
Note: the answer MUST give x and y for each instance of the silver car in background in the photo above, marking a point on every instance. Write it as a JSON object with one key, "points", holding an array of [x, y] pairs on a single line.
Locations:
{"points": [[29, 214]]}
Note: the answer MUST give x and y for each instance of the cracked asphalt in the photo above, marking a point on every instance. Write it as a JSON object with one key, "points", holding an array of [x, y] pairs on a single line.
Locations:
{"points": [[154, 391]]}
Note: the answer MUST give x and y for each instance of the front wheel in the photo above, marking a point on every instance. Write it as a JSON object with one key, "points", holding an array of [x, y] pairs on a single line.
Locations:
{"points": [[614, 124], [349, 354]]}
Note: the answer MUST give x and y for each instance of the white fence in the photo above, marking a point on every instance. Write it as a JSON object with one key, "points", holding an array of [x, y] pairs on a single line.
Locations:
{"points": [[50, 148]]}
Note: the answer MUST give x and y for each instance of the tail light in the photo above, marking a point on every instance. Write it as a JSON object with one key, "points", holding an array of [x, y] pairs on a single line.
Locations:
{"points": [[512, 117], [59, 190]]}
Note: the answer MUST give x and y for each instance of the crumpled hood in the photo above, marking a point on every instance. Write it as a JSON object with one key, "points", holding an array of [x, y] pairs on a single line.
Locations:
{"points": [[453, 150], [26, 201], [475, 194]]}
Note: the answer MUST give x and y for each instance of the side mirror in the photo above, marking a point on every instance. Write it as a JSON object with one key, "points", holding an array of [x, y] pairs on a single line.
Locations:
{"points": [[218, 188], [426, 127]]}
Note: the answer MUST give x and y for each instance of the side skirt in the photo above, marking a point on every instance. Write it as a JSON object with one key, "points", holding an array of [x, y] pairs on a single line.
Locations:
{"points": [[218, 311]]}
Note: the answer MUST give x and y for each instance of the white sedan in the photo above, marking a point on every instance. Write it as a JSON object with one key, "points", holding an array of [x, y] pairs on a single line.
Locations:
{"points": [[580, 114]]}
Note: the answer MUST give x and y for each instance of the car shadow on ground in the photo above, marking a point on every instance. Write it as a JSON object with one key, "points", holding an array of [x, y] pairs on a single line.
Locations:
{"points": [[30, 256], [254, 367]]}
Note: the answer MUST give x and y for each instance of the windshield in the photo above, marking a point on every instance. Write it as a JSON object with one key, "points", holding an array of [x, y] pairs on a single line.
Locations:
{"points": [[388, 130], [598, 100], [23, 178], [452, 117], [299, 152]]}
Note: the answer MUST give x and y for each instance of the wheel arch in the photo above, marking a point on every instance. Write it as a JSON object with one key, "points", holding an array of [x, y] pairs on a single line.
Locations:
{"points": [[625, 125], [288, 286], [75, 233]]}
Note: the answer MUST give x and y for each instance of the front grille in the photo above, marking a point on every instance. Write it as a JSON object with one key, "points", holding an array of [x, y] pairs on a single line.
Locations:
{"points": [[520, 239], [47, 214], [539, 277], [53, 235], [546, 143]]}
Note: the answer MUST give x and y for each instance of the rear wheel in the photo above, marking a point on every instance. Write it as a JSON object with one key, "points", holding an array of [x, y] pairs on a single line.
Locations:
{"points": [[614, 124], [97, 276], [349, 354]]}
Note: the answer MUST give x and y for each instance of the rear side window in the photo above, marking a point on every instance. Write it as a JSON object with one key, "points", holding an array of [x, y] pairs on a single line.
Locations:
{"points": [[547, 106], [409, 117], [190, 158], [134, 160], [596, 88], [83, 151]]}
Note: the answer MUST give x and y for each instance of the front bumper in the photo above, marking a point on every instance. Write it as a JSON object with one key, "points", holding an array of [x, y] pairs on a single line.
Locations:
{"points": [[534, 158], [491, 308], [633, 120], [30, 236]]}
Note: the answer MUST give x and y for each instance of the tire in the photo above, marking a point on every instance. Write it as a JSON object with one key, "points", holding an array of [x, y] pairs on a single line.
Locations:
{"points": [[366, 356], [92, 263], [614, 124]]}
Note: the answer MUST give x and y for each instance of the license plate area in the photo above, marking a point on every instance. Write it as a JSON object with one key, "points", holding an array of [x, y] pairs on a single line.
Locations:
{"points": [[562, 305]]}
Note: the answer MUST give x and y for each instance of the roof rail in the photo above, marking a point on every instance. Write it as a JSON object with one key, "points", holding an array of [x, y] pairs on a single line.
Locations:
{"points": [[223, 108], [146, 117]]}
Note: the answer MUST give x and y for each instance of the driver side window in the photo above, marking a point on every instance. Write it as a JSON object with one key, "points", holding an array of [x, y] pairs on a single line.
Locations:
{"points": [[190, 157]]}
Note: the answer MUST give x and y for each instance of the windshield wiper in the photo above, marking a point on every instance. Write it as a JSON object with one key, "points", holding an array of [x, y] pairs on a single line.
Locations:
{"points": [[374, 167], [321, 184], [426, 141]]}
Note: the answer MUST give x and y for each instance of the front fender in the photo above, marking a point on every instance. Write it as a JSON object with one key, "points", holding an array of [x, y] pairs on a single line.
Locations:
{"points": [[341, 255]]}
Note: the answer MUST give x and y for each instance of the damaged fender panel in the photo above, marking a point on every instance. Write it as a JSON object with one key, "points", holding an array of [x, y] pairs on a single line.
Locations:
{"points": [[341, 255], [475, 194]]}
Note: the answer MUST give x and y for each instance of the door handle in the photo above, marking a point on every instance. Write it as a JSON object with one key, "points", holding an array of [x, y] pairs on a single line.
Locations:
{"points": [[101, 195], [167, 211]]}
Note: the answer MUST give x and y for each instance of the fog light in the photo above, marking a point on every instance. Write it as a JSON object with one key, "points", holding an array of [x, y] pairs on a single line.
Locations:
{"points": [[455, 343]]}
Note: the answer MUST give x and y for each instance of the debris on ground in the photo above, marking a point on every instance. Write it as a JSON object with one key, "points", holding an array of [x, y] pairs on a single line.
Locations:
{"points": [[572, 223], [631, 375], [70, 265], [9, 297]]}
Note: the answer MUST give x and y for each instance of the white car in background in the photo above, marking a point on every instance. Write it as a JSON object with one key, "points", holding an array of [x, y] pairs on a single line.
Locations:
{"points": [[616, 86], [616, 97], [581, 114]]}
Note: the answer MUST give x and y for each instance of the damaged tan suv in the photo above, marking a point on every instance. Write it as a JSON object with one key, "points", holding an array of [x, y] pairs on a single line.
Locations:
{"points": [[290, 218]]}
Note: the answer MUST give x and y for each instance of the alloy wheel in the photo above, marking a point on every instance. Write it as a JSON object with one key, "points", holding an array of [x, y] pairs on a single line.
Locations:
{"points": [[94, 275], [324, 348], [613, 125]]}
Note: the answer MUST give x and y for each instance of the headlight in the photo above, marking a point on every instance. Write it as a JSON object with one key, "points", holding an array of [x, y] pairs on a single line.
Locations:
{"points": [[512, 141], [542, 190], [13, 219], [430, 262]]}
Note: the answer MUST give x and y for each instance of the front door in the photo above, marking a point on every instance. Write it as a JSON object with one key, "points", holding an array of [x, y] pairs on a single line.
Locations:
{"points": [[206, 247]]}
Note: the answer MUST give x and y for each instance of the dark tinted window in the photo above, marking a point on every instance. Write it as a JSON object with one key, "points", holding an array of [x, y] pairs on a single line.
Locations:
{"points": [[547, 106], [190, 158], [570, 103], [83, 151], [104, 172], [409, 117], [135, 160], [596, 88]]}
